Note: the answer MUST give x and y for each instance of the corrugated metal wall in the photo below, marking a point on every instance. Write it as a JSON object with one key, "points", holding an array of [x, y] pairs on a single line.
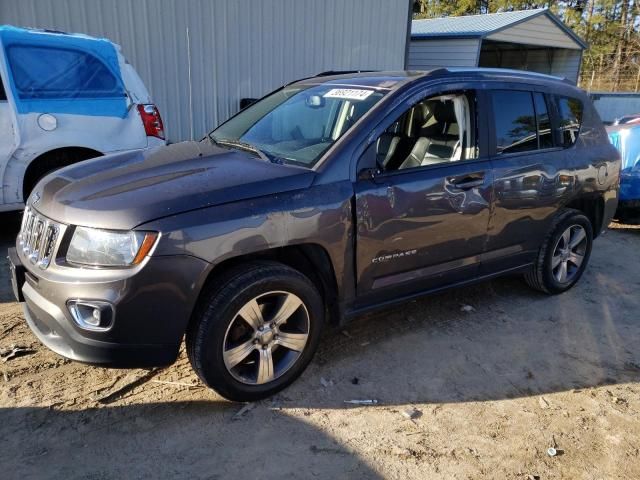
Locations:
{"points": [[536, 31], [433, 53], [237, 48]]}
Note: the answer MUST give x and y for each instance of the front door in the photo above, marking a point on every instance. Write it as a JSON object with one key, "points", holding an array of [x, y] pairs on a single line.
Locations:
{"points": [[422, 218]]}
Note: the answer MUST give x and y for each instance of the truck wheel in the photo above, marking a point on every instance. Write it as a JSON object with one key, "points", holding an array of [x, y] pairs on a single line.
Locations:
{"points": [[564, 254], [256, 331]]}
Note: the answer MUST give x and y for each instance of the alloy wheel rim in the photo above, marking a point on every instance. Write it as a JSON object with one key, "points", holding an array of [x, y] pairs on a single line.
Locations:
{"points": [[569, 254], [266, 337]]}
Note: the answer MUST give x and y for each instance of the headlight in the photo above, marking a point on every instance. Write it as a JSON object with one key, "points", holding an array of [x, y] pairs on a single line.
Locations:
{"points": [[109, 248]]}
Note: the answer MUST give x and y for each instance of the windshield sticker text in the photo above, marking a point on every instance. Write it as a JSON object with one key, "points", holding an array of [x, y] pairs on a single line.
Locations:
{"points": [[348, 93]]}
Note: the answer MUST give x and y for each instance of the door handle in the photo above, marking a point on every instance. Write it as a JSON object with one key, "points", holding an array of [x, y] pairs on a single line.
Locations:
{"points": [[466, 182]]}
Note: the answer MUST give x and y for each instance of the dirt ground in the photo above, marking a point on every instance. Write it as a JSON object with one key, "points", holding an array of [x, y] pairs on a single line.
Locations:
{"points": [[493, 389]]}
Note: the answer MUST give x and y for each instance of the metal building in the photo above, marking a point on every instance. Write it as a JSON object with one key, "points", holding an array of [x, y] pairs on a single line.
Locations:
{"points": [[198, 58], [533, 40]]}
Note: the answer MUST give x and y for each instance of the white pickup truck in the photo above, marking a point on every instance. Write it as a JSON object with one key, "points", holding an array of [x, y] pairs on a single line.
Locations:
{"points": [[65, 98]]}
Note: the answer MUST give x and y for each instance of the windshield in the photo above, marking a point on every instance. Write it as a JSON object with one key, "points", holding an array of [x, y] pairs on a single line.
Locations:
{"points": [[298, 123]]}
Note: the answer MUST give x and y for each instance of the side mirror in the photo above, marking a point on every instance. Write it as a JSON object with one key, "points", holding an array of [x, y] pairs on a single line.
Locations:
{"points": [[370, 166], [369, 174]]}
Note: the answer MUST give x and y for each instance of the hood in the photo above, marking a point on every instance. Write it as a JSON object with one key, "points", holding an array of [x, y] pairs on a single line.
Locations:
{"points": [[121, 191]]}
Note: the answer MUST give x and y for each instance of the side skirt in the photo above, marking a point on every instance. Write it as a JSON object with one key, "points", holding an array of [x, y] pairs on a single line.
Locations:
{"points": [[355, 312]]}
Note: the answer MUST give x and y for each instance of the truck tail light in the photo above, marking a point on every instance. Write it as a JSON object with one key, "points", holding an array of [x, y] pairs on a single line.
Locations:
{"points": [[151, 120]]}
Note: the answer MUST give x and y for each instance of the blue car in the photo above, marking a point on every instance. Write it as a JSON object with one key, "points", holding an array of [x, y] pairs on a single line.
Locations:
{"points": [[626, 138]]}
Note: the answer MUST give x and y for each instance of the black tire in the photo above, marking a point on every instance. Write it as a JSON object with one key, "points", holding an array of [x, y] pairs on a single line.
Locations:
{"points": [[541, 276], [52, 161], [218, 308]]}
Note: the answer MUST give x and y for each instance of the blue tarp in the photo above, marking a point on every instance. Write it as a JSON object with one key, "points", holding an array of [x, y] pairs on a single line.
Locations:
{"points": [[62, 73], [626, 138]]}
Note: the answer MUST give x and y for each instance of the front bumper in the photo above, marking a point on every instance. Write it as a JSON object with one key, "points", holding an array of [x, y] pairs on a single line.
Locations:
{"points": [[152, 308]]}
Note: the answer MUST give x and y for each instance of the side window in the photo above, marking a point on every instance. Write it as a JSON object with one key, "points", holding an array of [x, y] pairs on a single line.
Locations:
{"points": [[43, 72], [545, 133], [570, 112], [515, 121], [435, 130]]}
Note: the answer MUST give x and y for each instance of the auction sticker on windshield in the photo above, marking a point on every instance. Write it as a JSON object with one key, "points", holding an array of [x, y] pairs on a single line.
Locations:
{"points": [[348, 93]]}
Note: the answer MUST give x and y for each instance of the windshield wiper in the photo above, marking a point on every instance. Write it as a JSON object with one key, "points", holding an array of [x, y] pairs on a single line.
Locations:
{"points": [[239, 145]]}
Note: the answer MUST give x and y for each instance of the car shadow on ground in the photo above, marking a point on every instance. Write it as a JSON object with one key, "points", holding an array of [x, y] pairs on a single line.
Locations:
{"points": [[492, 341], [194, 440]]}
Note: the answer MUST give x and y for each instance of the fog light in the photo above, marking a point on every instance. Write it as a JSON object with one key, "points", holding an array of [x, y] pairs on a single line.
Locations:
{"points": [[93, 315]]}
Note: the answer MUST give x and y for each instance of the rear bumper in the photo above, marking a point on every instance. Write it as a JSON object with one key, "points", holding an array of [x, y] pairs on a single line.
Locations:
{"points": [[151, 310]]}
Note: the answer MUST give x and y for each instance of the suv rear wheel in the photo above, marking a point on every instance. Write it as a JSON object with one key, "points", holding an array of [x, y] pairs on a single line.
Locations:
{"points": [[256, 332], [564, 254]]}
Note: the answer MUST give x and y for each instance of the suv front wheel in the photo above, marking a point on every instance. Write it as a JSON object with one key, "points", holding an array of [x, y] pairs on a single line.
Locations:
{"points": [[255, 332], [564, 254]]}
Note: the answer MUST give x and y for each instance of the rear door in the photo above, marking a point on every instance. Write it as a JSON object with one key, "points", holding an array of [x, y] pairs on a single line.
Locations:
{"points": [[532, 178], [422, 218]]}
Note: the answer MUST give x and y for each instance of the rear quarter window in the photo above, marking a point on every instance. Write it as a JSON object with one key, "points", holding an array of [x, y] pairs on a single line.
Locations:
{"points": [[570, 112], [45, 72]]}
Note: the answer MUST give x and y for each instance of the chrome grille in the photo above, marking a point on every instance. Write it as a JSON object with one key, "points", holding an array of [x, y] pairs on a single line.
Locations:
{"points": [[38, 237]]}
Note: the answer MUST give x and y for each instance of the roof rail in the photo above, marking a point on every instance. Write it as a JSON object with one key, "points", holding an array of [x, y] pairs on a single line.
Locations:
{"points": [[328, 73], [342, 72]]}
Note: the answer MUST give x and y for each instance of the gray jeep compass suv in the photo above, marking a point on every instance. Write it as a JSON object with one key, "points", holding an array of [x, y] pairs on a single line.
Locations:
{"points": [[329, 197]]}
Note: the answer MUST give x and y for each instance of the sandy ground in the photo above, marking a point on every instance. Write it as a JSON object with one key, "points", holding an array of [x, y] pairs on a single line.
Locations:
{"points": [[493, 389]]}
